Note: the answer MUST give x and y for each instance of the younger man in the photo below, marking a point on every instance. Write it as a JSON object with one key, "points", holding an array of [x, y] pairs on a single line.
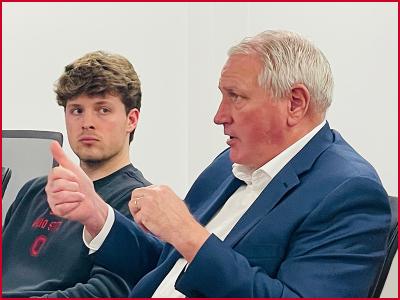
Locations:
{"points": [[43, 254]]}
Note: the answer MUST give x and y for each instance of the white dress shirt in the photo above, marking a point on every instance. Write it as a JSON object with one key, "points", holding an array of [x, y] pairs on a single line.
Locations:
{"points": [[230, 213]]}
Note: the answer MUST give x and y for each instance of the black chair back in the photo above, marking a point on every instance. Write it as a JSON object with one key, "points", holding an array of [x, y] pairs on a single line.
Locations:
{"points": [[391, 249], [27, 154], [6, 175]]}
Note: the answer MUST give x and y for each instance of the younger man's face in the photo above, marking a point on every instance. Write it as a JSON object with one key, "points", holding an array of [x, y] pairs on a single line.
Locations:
{"points": [[98, 127]]}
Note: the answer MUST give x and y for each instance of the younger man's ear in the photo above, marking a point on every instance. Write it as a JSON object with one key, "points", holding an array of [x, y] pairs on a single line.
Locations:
{"points": [[133, 118], [298, 104]]}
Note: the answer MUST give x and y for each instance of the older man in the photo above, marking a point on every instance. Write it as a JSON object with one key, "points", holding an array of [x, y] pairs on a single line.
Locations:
{"points": [[288, 210]]}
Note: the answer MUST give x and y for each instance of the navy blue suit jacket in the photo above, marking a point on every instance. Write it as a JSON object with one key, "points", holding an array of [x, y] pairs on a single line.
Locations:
{"points": [[318, 229]]}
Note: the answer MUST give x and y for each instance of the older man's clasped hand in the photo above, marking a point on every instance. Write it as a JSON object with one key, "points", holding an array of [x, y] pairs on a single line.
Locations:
{"points": [[159, 210]]}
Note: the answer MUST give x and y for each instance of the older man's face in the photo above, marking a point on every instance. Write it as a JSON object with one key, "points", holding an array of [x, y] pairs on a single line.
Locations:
{"points": [[253, 120]]}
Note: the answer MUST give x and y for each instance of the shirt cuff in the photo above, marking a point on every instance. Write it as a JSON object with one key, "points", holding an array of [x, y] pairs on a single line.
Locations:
{"points": [[95, 243]]}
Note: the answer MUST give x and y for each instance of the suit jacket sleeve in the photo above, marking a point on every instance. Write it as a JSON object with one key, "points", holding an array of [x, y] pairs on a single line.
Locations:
{"points": [[330, 253], [128, 251], [102, 282]]}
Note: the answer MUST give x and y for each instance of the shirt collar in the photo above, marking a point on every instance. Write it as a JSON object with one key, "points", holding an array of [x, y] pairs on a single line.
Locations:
{"points": [[271, 168]]}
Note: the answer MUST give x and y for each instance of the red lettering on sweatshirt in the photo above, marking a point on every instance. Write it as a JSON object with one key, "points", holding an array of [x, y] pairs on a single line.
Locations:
{"points": [[37, 245]]}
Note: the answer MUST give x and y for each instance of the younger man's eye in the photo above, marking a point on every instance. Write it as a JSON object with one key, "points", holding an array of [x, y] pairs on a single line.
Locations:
{"points": [[104, 110], [76, 111]]}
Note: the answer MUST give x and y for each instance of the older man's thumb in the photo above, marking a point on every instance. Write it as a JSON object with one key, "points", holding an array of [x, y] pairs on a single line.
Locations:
{"points": [[60, 157]]}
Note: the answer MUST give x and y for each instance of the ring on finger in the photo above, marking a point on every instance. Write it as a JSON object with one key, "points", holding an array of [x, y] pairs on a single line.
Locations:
{"points": [[136, 202]]}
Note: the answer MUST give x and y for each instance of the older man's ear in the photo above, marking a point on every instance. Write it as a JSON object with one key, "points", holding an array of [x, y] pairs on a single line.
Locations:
{"points": [[298, 104]]}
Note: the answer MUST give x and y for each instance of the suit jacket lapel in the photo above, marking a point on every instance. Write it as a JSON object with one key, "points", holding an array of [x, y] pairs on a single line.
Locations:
{"points": [[218, 199], [208, 209], [265, 202], [284, 181]]}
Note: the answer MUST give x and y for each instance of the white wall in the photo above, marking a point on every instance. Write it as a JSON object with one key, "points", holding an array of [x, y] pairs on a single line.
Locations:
{"points": [[178, 50]]}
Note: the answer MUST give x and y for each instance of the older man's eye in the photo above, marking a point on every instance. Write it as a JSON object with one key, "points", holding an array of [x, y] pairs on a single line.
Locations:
{"points": [[234, 97]]}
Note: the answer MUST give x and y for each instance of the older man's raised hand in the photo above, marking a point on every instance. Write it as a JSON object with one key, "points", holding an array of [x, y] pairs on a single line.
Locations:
{"points": [[71, 195]]}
